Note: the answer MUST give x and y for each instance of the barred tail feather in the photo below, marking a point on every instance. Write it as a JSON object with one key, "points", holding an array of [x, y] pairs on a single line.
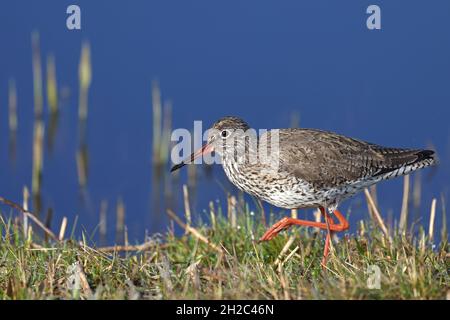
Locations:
{"points": [[405, 161]]}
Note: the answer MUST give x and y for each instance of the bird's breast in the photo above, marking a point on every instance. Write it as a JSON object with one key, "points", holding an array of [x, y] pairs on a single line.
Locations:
{"points": [[284, 191]]}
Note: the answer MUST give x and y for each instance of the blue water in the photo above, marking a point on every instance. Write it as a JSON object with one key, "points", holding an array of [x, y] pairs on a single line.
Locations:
{"points": [[261, 60]]}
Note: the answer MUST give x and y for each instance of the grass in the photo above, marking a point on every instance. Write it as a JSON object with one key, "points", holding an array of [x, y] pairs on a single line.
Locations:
{"points": [[216, 260]]}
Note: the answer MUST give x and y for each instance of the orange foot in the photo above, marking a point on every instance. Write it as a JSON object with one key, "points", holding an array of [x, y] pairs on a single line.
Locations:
{"points": [[286, 222]]}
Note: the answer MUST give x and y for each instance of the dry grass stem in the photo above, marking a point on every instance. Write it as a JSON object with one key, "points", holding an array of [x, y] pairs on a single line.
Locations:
{"points": [[193, 231], [375, 211]]}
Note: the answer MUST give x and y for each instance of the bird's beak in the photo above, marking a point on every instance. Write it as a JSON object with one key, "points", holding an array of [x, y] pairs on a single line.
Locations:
{"points": [[207, 148]]}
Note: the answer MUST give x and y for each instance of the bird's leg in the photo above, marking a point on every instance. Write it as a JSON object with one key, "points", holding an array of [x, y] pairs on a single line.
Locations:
{"points": [[326, 250], [287, 222]]}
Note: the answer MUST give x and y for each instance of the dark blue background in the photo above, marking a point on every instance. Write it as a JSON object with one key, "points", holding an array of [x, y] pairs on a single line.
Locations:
{"points": [[261, 60]]}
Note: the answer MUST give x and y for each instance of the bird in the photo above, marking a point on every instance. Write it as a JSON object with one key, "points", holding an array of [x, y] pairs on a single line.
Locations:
{"points": [[304, 168]]}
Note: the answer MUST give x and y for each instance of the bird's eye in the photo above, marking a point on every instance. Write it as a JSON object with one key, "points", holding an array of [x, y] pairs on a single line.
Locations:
{"points": [[224, 133]]}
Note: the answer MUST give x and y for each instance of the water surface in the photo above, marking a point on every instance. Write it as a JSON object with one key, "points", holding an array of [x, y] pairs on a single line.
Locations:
{"points": [[264, 62]]}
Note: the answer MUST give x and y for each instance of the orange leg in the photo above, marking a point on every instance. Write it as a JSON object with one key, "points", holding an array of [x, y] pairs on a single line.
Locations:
{"points": [[287, 222], [326, 250]]}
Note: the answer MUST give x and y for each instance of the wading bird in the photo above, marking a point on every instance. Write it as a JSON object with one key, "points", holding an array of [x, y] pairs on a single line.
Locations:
{"points": [[305, 168]]}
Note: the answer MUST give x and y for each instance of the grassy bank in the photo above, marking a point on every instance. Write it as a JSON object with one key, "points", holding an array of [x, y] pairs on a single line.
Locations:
{"points": [[220, 260]]}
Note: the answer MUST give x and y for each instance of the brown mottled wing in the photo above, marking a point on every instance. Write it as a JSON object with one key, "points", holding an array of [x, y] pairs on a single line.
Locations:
{"points": [[326, 159]]}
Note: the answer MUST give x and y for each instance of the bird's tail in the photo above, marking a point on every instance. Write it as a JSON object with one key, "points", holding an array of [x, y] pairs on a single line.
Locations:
{"points": [[403, 161]]}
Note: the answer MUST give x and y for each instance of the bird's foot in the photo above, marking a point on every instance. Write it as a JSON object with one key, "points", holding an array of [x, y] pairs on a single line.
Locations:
{"points": [[281, 225]]}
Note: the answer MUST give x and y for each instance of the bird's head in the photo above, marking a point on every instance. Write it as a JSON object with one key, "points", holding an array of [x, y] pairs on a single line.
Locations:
{"points": [[225, 132]]}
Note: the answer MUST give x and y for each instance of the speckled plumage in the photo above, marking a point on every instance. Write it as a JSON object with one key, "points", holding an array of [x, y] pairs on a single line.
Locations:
{"points": [[316, 168]]}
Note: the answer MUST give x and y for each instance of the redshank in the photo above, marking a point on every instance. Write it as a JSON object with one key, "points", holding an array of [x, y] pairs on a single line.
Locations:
{"points": [[309, 168]]}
